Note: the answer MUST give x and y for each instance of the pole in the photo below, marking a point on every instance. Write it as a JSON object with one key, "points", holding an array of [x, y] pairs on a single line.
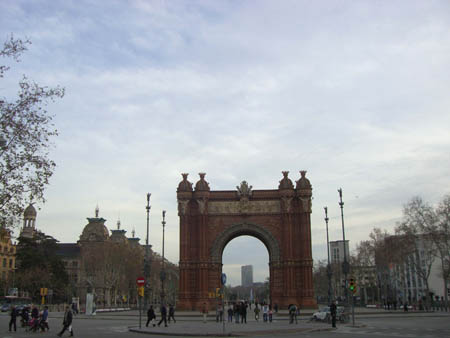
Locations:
{"points": [[345, 265], [329, 272], [353, 310], [223, 309], [148, 258], [163, 271], [140, 311]]}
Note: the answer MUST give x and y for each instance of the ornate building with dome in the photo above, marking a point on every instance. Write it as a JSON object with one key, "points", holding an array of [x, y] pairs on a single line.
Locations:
{"points": [[104, 264]]}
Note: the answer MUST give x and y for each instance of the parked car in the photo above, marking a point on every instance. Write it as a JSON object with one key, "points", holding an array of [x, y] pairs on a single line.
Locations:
{"points": [[5, 307], [324, 314]]}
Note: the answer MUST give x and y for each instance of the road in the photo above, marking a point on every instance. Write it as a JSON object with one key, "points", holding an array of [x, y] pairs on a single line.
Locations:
{"points": [[380, 326], [389, 326]]}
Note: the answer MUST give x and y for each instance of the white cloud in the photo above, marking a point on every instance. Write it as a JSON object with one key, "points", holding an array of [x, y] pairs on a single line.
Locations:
{"points": [[356, 93]]}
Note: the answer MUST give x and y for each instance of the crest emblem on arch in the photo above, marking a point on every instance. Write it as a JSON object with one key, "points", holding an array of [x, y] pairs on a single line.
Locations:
{"points": [[244, 190]]}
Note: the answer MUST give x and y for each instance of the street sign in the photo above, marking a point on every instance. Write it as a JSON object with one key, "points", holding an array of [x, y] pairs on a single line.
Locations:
{"points": [[140, 281], [223, 279]]}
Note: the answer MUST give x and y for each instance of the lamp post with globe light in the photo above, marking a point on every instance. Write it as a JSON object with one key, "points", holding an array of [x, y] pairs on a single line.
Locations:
{"points": [[163, 271], [345, 264], [147, 259], [329, 272]]}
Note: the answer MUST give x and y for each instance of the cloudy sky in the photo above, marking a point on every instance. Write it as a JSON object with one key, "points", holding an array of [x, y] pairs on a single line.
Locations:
{"points": [[354, 92]]}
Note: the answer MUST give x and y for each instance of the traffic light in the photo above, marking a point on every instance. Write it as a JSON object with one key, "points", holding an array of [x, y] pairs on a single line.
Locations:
{"points": [[141, 291], [352, 285]]}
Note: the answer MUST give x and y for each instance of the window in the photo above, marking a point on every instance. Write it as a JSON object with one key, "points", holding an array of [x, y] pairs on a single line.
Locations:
{"points": [[11, 264], [4, 262], [74, 264]]}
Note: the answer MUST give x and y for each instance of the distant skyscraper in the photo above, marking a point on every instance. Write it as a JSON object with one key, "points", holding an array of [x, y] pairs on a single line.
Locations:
{"points": [[247, 275]]}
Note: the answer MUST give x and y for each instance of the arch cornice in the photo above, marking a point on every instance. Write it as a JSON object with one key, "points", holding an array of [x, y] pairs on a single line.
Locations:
{"points": [[241, 229]]}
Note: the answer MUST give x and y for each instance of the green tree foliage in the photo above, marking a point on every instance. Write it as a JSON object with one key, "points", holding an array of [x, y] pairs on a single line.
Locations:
{"points": [[38, 265], [26, 130]]}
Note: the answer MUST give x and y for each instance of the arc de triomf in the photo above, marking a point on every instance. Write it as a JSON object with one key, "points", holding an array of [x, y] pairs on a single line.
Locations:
{"points": [[280, 218]]}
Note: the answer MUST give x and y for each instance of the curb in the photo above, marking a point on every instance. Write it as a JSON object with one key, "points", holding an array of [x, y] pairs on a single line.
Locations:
{"points": [[230, 334]]}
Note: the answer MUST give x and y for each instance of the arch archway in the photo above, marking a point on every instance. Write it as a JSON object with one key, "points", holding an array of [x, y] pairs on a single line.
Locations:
{"points": [[279, 218], [244, 229]]}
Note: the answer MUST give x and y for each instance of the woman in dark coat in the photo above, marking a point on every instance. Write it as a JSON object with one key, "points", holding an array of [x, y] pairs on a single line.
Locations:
{"points": [[151, 316]]}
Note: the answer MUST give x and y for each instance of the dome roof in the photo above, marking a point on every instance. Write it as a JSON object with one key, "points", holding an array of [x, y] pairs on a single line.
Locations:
{"points": [[202, 185], [303, 182], [30, 211], [285, 183], [95, 231], [184, 185]]}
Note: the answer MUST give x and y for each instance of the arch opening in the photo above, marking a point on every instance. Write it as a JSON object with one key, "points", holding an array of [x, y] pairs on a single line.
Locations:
{"points": [[242, 251], [245, 229]]}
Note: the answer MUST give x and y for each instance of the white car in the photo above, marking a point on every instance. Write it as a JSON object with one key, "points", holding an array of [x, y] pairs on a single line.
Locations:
{"points": [[321, 314], [324, 314]]}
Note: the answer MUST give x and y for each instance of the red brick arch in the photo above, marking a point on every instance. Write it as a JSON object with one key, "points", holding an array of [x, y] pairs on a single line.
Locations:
{"points": [[280, 218]]}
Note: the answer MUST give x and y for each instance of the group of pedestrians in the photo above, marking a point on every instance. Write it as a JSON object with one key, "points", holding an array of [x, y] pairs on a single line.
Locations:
{"points": [[34, 322], [239, 310], [151, 315]]}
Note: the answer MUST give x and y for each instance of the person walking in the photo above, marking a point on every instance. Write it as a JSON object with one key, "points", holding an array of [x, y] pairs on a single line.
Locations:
{"points": [[243, 311], [67, 322], [333, 310], [257, 312], [172, 313], [204, 312], [163, 315], [293, 314], [236, 310], [230, 314], [25, 317], [44, 320], [151, 316], [12, 322], [265, 312]]}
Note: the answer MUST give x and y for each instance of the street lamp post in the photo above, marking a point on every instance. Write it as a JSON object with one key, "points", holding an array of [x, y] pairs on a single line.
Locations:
{"points": [[163, 271], [329, 272], [2, 143], [345, 264], [148, 258]]}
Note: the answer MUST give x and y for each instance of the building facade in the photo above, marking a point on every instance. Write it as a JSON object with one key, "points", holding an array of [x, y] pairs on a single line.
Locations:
{"points": [[337, 251], [406, 279], [105, 264], [7, 257]]}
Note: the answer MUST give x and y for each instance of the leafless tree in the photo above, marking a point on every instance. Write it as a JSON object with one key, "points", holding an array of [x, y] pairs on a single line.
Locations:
{"points": [[440, 234], [417, 245], [26, 131]]}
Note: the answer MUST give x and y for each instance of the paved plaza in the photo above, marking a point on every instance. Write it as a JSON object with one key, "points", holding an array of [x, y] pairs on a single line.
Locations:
{"points": [[369, 323]]}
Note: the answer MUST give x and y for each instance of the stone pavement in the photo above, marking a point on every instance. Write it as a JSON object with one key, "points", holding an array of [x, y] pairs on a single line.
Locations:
{"points": [[213, 329], [191, 323]]}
